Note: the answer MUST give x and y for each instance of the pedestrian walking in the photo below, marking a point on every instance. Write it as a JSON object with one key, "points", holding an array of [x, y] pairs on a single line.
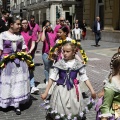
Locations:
{"points": [[77, 32], [34, 27], [66, 97], [14, 67], [97, 28], [4, 21], [30, 40], [83, 27], [48, 37], [108, 105]]}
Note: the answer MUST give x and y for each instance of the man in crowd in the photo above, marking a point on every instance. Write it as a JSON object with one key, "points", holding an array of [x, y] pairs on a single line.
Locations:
{"points": [[97, 27], [4, 21]]}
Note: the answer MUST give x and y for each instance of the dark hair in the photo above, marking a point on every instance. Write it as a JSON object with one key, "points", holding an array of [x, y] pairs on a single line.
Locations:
{"points": [[115, 64], [45, 22], [12, 20], [4, 12], [28, 28], [46, 35], [32, 16], [64, 29]]}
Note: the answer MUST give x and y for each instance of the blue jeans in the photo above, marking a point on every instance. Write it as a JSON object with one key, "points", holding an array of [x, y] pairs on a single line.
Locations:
{"points": [[47, 65], [32, 80]]}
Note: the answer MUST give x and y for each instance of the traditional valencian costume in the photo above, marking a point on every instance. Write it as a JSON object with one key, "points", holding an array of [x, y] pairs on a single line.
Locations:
{"points": [[14, 79], [111, 102]]}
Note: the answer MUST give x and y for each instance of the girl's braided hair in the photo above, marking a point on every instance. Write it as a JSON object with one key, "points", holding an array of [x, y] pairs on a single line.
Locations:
{"points": [[115, 64]]}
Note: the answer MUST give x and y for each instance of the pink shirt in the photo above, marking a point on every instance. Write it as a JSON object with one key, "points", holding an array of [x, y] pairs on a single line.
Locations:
{"points": [[36, 29], [57, 27], [28, 39], [52, 39]]}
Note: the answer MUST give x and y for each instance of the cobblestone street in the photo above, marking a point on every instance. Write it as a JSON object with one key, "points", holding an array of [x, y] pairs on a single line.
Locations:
{"points": [[97, 70]]}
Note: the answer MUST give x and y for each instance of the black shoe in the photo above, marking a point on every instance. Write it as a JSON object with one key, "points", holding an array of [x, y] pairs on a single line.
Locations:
{"points": [[17, 111], [97, 45], [84, 95]]}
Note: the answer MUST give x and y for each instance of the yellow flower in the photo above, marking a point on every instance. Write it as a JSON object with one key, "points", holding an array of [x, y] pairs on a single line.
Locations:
{"points": [[81, 51], [78, 43], [29, 56], [28, 62], [84, 56], [60, 42], [24, 53], [18, 53], [12, 57], [31, 65], [2, 65], [6, 56], [23, 59], [56, 49], [73, 41]]}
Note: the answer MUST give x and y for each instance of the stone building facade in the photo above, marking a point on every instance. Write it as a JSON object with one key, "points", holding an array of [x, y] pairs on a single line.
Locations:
{"points": [[109, 12], [48, 9]]}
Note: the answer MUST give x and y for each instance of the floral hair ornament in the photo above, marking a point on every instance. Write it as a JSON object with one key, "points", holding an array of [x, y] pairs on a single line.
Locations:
{"points": [[55, 49]]}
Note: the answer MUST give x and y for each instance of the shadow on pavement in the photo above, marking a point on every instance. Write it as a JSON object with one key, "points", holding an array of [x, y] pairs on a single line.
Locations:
{"points": [[38, 64]]}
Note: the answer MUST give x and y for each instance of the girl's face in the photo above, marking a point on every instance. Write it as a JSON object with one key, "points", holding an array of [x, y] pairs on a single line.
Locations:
{"points": [[48, 26], [68, 52], [25, 24], [16, 26], [61, 34]]}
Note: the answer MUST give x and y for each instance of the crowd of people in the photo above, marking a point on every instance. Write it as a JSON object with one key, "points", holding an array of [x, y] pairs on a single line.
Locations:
{"points": [[64, 69]]}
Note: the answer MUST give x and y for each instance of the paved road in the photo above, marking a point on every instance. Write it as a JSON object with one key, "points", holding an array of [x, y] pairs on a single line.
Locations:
{"points": [[97, 69]]}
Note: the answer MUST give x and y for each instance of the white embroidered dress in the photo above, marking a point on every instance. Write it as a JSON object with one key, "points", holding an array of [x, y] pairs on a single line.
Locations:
{"points": [[14, 78]]}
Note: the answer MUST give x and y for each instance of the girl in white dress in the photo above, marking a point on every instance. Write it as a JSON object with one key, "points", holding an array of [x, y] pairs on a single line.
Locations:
{"points": [[66, 97], [14, 77]]}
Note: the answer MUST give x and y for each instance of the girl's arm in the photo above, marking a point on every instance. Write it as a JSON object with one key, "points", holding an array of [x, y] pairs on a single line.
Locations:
{"points": [[44, 95], [43, 34], [32, 47], [93, 94]]}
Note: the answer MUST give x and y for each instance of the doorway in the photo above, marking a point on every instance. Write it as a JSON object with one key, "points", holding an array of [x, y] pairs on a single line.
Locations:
{"points": [[100, 10], [68, 17]]}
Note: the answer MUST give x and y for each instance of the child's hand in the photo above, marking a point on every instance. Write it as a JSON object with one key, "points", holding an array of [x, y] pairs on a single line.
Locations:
{"points": [[93, 95], [44, 95]]}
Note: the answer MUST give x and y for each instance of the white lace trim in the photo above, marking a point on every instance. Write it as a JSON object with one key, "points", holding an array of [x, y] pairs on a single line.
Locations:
{"points": [[105, 115]]}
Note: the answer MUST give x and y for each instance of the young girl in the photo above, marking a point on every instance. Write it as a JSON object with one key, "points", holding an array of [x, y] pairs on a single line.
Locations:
{"points": [[30, 43], [63, 35], [14, 79], [48, 37], [110, 108], [65, 99]]}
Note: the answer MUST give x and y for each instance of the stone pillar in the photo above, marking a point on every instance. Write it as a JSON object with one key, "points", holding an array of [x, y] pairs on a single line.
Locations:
{"points": [[53, 15], [48, 13], [116, 14], [39, 13]]}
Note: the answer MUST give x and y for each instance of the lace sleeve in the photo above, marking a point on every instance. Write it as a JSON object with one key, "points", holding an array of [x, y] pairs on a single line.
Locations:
{"points": [[1, 42], [82, 74], [54, 74]]}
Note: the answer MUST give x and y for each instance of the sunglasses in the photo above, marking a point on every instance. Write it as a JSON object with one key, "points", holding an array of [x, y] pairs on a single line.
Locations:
{"points": [[62, 20]]}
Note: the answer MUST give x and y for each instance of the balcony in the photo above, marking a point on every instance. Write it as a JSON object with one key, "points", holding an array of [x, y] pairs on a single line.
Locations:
{"points": [[33, 1], [27, 2], [22, 5]]}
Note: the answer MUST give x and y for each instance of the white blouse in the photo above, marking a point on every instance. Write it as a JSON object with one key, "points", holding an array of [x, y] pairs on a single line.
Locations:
{"points": [[12, 37]]}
